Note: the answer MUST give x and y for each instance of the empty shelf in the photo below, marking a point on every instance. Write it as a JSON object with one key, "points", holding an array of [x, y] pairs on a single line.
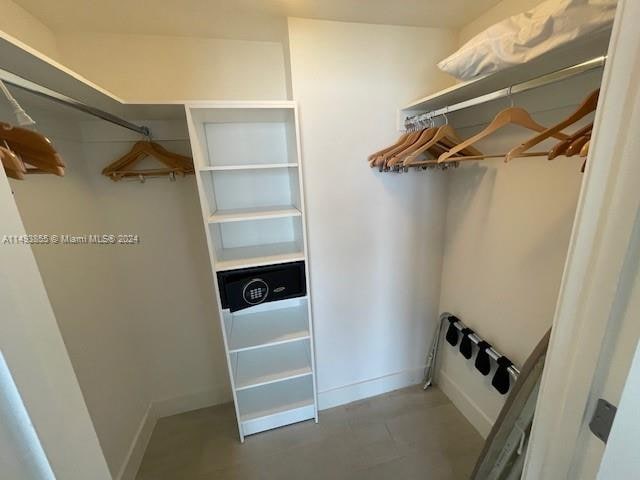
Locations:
{"points": [[219, 168], [276, 405], [275, 398], [254, 368], [272, 327], [243, 257], [259, 213]]}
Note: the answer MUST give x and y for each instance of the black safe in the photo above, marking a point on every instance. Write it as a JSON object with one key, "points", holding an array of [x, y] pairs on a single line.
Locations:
{"points": [[251, 286]]}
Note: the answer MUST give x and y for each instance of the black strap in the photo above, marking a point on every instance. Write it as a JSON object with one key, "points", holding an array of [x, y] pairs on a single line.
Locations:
{"points": [[466, 348], [501, 378], [483, 362], [452, 332]]}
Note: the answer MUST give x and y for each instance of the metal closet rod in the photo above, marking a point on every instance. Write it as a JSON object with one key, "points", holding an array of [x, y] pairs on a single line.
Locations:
{"points": [[32, 87], [537, 82]]}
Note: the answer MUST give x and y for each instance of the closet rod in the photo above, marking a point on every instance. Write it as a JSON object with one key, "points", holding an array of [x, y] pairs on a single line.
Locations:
{"points": [[32, 87], [433, 353], [537, 82]]}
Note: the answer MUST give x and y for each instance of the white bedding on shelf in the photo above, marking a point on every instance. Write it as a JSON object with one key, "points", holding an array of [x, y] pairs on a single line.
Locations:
{"points": [[528, 35]]}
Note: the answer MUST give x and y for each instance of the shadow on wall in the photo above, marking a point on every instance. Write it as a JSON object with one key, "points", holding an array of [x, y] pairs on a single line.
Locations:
{"points": [[547, 239]]}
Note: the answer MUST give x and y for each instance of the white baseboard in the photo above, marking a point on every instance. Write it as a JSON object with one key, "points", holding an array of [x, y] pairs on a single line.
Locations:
{"points": [[164, 408], [479, 419], [136, 451], [369, 388], [193, 401]]}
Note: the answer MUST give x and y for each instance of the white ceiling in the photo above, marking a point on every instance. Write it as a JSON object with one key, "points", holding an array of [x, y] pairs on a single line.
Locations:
{"points": [[254, 19]]}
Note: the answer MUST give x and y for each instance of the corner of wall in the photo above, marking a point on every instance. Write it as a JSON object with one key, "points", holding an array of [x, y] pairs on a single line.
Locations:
{"points": [[163, 408], [286, 51], [465, 404], [138, 446], [19, 24]]}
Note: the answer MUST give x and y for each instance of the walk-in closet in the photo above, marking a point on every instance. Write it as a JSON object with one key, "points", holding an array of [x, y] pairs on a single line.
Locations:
{"points": [[330, 240]]}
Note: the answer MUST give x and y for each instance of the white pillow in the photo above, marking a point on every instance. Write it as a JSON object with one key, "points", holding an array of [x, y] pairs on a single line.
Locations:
{"points": [[528, 35]]}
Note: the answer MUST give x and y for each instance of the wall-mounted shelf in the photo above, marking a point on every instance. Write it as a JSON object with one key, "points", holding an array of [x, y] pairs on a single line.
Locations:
{"points": [[249, 181], [579, 51], [30, 64]]}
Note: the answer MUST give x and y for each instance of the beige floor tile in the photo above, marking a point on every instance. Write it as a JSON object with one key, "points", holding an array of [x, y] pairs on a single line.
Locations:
{"points": [[403, 435], [463, 466], [369, 432], [372, 454]]}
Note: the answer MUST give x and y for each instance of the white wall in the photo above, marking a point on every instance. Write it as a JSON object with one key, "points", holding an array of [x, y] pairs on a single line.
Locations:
{"points": [[20, 24], [155, 68], [87, 294], [375, 240], [31, 345], [507, 233], [498, 12], [168, 278], [138, 321]]}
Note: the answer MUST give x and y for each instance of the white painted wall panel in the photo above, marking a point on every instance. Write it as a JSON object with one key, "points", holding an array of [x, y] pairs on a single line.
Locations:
{"points": [[160, 68], [375, 240], [507, 233]]}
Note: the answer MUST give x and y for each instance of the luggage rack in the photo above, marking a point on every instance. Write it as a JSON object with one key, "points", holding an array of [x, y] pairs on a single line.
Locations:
{"points": [[455, 322]]}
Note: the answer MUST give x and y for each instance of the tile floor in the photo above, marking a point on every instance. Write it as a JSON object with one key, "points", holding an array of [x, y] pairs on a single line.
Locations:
{"points": [[403, 435]]}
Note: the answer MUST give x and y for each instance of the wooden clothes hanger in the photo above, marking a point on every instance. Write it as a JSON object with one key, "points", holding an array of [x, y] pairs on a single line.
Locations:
{"points": [[561, 147], [409, 140], [588, 105], [400, 140], [425, 136], [576, 146], [13, 166], [33, 149], [123, 167], [444, 139], [508, 116], [584, 151]]}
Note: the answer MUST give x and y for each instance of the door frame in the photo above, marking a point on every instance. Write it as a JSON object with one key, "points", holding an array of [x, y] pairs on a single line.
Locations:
{"points": [[607, 212]]}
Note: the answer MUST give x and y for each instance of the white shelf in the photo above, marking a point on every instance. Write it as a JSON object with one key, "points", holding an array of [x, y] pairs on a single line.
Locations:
{"points": [[254, 188], [254, 330], [254, 256], [259, 213], [255, 368], [223, 168], [274, 399], [575, 52]]}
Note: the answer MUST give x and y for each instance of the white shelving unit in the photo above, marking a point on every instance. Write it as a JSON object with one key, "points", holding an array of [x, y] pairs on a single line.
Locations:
{"points": [[247, 158]]}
